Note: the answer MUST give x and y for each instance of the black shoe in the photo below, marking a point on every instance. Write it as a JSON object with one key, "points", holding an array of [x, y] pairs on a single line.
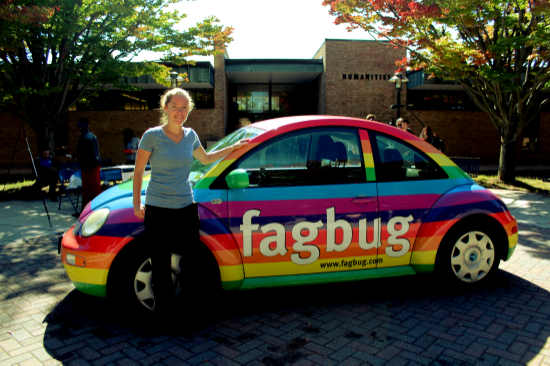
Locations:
{"points": [[76, 214]]}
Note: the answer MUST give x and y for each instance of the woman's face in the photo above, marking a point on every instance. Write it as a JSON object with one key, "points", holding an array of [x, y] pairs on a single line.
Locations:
{"points": [[177, 109]]}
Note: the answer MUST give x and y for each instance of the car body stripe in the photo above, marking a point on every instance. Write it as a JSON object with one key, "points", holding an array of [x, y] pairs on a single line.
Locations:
{"points": [[87, 275], [437, 187], [91, 289], [424, 257], [264, 269], [301, 207], [308, 279], [231, 273]]}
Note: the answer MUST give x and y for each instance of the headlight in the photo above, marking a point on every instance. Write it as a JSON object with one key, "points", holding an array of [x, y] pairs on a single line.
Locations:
{"points": [[94, 222]]}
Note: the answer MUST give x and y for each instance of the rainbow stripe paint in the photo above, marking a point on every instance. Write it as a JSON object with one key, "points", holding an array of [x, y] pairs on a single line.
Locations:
{"points": [[280, 236]]}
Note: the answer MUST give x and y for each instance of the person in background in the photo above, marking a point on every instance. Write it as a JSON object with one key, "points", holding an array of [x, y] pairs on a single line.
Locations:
{"points": [[391, 122], [405, 125], [169, 208], [399, 123], [46, 170], [87, 153], [131, 143], [428, 136], [371, 117]]}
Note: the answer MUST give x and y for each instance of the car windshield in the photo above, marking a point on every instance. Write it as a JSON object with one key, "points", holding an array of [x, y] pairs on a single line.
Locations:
{"points": [[198, 170]]}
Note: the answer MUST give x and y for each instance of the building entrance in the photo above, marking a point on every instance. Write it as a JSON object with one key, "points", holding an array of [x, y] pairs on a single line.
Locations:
{"points": [[258, 102]]}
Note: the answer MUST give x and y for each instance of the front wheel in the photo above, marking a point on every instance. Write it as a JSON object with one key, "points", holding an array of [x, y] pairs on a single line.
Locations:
{"points": [[194, 278], [468, 255], [143, 289]]}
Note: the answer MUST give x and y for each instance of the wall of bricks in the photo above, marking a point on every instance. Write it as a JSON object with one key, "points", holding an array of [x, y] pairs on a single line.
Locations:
{"points": [[357, 98], [107, 126], [10, 125]]}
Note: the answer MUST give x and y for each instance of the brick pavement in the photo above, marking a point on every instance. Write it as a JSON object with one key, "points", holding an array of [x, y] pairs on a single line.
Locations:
{"points": [[391, 321]]}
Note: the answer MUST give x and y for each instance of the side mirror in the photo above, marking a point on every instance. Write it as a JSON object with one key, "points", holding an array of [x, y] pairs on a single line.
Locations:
{"points": [[238, 178]]}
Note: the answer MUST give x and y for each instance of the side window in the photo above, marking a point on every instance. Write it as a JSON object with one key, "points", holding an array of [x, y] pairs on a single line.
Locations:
{"points": [[399, 161], [309, 157]]}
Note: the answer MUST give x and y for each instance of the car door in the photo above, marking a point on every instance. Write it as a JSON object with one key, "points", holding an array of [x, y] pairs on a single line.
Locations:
{"points": [[409, 182], [308, 209]]}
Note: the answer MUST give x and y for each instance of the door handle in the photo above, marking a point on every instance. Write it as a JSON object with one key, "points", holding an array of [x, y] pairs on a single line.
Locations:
{"points": [[363, 200], [216, 201]]}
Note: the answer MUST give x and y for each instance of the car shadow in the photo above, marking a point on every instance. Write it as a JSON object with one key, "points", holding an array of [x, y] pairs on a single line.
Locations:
{"points": [[503, 321]]}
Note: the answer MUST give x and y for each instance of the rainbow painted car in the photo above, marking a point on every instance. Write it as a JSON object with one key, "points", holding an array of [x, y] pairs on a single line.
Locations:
{"points": [[311, 199]]}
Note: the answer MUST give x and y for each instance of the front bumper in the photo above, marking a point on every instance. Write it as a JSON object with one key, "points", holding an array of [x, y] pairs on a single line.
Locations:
{"points": [[87, 270]]}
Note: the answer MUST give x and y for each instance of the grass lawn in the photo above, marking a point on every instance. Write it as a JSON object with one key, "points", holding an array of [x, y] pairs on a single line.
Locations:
{"points": [[531, 182]]}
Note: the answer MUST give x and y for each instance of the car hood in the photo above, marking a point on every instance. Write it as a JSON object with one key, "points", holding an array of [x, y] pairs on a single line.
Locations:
{"points": [[117, 192]]}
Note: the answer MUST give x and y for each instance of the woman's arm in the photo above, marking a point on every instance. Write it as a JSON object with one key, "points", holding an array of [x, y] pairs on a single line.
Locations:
{"points": [[142, 158], [207, 158]]}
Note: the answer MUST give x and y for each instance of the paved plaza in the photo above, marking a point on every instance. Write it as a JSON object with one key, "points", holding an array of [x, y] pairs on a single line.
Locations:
{"points": [[44, 320]]}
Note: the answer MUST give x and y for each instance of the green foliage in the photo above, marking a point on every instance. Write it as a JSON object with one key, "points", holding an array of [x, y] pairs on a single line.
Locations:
{"points": [[497, 50], [67, 50]]}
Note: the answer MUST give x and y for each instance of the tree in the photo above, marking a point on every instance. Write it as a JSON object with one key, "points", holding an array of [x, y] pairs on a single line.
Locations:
{"points": [[497, 50], [54, 53]]}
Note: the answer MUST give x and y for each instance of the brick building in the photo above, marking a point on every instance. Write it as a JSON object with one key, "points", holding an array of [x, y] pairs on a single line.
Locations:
{"points": [[344, 77]]}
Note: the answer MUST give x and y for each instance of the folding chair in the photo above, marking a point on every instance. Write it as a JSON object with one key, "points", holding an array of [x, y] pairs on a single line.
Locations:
{"points": [[64, 178]]}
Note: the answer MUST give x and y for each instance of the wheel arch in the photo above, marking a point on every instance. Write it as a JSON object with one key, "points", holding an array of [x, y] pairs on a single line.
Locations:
{"points": [[219, 240], [458, 206]]}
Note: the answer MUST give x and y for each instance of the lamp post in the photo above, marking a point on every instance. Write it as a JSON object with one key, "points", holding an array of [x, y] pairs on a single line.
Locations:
{"points": [[174, 79], [399, 80]]}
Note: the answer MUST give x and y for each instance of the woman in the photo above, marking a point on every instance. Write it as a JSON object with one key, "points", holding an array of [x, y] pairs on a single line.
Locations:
{"points": [[428, 136], [131, 144], [169, 214]]}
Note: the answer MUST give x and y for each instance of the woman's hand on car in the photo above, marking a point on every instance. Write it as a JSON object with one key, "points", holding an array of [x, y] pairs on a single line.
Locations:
{"points": [[240, 143], [140, 211]]}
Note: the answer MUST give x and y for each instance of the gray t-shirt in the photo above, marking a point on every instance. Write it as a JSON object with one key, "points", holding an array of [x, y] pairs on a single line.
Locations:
{"points": [[169, 186]]}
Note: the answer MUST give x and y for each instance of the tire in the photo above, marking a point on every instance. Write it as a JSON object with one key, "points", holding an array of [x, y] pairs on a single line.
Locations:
{"points": [[469, 254], [130, 282]]}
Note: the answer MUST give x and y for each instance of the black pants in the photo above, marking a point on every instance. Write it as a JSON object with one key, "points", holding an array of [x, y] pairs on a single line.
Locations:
{"points": [[171, 230], [46, 177]]}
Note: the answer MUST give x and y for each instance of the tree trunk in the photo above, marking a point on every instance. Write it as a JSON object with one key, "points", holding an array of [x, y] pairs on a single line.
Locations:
{"points": [[507, 163], [45, 137]]}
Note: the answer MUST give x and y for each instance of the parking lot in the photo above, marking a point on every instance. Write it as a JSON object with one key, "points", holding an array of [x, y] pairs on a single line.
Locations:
{"points": [[392, 321]]}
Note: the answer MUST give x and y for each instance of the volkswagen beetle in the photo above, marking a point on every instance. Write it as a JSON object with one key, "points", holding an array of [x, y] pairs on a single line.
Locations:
{"points": [[310, 199]]}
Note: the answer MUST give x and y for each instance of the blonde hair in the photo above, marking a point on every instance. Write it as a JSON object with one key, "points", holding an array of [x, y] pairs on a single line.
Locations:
{"points": [[371, 116], [165, 99]]}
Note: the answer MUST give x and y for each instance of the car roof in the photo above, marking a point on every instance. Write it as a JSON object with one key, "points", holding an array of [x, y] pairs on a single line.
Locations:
{"points": [[278, 126]]}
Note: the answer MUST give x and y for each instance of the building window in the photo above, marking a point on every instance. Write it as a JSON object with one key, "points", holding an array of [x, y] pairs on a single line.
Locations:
{"points": [[203, 98], [253, 98], [440, 100], [530, 137], [134, 103]]}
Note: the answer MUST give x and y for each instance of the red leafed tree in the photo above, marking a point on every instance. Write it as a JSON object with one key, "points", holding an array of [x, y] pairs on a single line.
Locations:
{"points": [[497, 50]]}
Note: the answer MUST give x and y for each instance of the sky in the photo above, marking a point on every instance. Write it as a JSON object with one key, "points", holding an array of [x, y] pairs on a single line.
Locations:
{"points": [[268, 29]]}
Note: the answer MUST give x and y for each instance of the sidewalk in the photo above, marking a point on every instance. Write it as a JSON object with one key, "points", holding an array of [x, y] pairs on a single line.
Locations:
{"points": [[528, 208], [28, 219]]}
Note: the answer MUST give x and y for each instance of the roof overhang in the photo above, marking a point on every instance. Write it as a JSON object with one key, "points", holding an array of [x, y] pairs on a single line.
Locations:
{"points": [[274, 71]]}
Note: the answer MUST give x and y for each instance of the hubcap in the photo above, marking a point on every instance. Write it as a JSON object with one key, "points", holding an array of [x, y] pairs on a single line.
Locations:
{"points": [[143, 281], [472, 256]]}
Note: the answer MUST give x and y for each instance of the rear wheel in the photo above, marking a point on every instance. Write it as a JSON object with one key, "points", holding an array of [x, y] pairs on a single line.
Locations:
{"points": [[469, 254]]}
